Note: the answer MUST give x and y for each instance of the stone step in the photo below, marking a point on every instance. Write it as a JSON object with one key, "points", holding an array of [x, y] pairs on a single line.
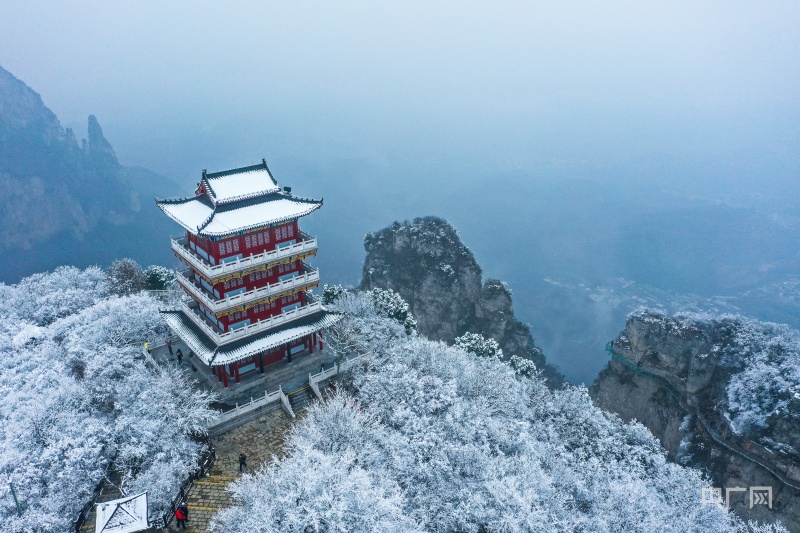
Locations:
{"points": [[301, 399]]}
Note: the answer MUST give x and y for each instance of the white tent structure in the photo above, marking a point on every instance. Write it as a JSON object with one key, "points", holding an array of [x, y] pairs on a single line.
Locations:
{"points": [[126, 515]]}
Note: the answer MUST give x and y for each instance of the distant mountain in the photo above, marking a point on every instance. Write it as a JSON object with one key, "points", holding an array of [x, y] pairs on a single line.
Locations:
{"points": [[66, 203], [426, 263], [721, 394]]}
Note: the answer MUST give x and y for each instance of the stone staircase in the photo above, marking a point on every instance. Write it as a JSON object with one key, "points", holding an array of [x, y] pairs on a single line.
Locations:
{"points": [[206, 497], [301, 399], [259, 439]]}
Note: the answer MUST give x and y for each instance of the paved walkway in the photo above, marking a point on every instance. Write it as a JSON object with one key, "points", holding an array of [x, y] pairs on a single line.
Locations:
{"points": [[259, 440]]}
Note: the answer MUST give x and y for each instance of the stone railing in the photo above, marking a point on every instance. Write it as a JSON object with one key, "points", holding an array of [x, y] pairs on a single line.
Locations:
{"points": [[316, 379], [312, 276], [240, 410], [214, 271], [261, 325], [286, 404]]}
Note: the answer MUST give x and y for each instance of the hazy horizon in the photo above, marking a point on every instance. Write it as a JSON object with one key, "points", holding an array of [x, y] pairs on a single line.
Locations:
{"points": [[548, 134]]}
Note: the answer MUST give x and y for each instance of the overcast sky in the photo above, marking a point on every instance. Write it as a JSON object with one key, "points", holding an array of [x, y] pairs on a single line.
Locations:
{"points": [[513, 85]]}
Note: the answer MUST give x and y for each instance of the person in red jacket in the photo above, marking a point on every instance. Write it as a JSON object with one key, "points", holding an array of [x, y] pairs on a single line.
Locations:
{"points": [[181, 516]]}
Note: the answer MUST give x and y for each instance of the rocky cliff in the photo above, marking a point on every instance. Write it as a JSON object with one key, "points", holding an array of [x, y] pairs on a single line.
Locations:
{"points": [[64, 202], [427, 264], [721, 393]]}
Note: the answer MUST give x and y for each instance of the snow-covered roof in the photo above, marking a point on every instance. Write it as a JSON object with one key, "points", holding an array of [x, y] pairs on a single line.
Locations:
{"points": [[240, 183], [126, 515], [208, 352], [201, 217]]}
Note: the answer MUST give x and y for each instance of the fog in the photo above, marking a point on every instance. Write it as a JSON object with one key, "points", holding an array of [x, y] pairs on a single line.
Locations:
{"points": [[594, 155]]}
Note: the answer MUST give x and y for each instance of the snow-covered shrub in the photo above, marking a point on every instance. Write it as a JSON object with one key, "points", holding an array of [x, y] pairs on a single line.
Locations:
{"points": [[431, 437], [477, 344], [76, 398], [523, 367], [392, 305], [331, 293], [158, 278]]}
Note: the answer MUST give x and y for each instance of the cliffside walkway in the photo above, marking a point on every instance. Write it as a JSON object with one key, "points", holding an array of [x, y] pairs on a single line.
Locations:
{"points": [[715, 436]]}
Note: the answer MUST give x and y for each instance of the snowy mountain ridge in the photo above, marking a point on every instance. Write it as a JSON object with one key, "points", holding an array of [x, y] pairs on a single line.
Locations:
{"points": [[425, 262], [740, 375]]}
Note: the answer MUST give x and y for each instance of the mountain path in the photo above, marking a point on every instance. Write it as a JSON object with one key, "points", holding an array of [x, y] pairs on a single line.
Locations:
{"points": [[259, 440]]}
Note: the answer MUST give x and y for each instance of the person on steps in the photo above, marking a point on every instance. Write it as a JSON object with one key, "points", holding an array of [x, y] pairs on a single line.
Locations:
{"points": [[180, 517], [242, 462]]}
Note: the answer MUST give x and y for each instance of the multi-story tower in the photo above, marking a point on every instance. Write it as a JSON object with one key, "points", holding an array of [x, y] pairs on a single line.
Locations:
{"points": [[245, 273]]}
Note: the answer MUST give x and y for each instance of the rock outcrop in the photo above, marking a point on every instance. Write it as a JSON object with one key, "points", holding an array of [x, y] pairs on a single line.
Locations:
{"points": [[427, 264], [65, 203], [673, 376]]}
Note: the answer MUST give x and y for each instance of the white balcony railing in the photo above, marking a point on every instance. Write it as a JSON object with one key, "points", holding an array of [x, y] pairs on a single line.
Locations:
{"points": [[262, 325], [213, 271], [189, 286]]}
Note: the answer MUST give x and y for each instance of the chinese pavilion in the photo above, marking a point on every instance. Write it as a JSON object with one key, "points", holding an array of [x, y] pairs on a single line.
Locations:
{"points": [[245, 274]]}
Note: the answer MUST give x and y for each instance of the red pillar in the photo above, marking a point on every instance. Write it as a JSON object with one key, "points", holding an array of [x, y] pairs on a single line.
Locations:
{"points": [[224, 377], [321, 346], [213, 371], [311, 344], [236, 371], [261, 362]]}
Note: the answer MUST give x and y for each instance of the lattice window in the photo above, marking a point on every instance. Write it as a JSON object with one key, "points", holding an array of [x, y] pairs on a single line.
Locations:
{"points": [[277, 233], [284, 233], [227, 284], [228, 247], [291, 230], [236, 245], [247, 243]]}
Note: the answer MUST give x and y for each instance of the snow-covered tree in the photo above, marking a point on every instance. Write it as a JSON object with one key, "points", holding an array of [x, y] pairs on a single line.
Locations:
{"points": [[437, 439], [42, 298], [477, 344], [158, 278], [303, 492], [77, 399], [125, 276]]}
